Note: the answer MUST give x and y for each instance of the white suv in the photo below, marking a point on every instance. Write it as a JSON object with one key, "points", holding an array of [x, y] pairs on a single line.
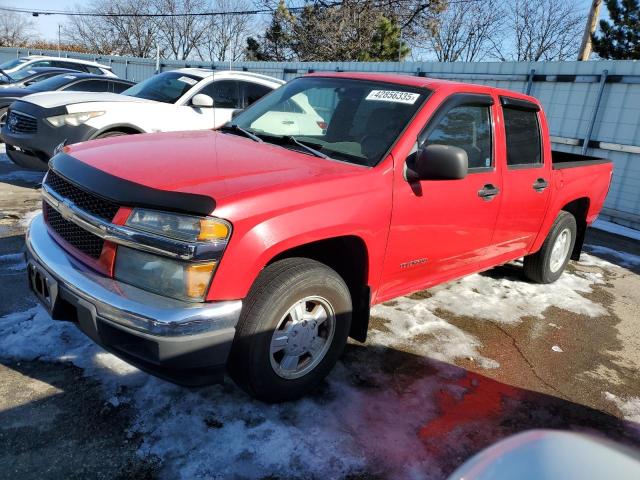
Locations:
{"points": [[185, 99], [33, 61]]}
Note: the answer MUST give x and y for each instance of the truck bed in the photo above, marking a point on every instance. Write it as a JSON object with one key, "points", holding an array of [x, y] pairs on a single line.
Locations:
{"points": [[561, 160]]}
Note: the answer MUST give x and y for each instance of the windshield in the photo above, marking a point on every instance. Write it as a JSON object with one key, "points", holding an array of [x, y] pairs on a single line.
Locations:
{"points": [[165, 87], [351, 120], [51, 84], [22, 74], [12, 63]]}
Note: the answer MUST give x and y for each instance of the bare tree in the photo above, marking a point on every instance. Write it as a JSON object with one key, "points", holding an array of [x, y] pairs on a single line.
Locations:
{"points": [[15, 29], [466, 31], [538, 30], [225, 37], [179, 36], [114, 32]]}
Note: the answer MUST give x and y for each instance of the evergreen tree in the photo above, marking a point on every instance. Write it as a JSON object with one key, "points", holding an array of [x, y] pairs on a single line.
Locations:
{"points": [[276, 41], [620, 38], [386, 44]]}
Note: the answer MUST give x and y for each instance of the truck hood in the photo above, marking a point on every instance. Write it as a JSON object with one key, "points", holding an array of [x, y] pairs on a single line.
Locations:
{"points": [[221, 166], [59, 99]]}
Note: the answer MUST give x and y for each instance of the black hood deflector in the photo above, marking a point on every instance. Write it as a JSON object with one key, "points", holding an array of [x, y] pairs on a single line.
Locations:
{"points": [[127, 193]]}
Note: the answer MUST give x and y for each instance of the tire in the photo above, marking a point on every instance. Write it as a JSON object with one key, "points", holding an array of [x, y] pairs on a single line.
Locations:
{"points": [[268, 321], [546, 265], [3, 116], [113, 133]]}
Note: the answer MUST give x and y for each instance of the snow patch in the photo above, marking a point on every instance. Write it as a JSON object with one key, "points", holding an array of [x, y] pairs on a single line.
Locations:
{"points": [[26, 220], [507, 300], [624, 259], [629, 407], [12, 262], [412, 323]]}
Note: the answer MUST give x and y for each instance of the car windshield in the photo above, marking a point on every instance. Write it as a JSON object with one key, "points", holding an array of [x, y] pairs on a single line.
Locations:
{"points": [[355, 121], [165, 87], [12, 63], [52, 83], [22, 74]]}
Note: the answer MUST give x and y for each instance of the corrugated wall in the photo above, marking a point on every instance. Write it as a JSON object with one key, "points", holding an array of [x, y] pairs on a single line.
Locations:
{"points": [[601, 97]]}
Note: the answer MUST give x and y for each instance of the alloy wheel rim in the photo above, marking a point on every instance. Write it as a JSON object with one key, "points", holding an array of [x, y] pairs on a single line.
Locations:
{"points": [[302, 338], [560, 250]]}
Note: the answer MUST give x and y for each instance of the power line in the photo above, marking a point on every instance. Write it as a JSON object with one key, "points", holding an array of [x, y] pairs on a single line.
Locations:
{"points": [[37, 13]]}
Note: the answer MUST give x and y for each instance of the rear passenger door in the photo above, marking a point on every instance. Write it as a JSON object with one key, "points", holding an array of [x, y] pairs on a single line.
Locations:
{"points": [[526, 178]]}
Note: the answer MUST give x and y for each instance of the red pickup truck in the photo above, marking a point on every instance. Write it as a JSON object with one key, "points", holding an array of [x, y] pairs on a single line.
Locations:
{"points": [[259, 248]]}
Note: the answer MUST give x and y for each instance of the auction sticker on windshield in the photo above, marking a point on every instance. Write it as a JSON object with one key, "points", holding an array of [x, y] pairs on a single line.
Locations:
{"points": [[393, 96]]}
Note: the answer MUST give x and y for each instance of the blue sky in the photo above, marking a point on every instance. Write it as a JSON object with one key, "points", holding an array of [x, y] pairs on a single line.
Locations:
{"points": [[47, 26]]}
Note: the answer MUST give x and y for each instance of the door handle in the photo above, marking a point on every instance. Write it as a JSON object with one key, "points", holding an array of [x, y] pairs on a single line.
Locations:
{"points": [[488, 192], [540, 184]]}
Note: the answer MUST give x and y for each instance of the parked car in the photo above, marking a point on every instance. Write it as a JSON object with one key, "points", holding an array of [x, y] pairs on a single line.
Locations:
{"points": [[68, 81], [188, 253], [30, 76], [170, 101], [33, 61]]}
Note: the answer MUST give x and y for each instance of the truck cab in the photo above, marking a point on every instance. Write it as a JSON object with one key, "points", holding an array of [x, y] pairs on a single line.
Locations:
{"points": [[257, 253]]}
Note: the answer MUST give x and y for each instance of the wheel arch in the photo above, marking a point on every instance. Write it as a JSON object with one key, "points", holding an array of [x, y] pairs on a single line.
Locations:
{"points": [[127, 128], [579, 208], [349, 257]]}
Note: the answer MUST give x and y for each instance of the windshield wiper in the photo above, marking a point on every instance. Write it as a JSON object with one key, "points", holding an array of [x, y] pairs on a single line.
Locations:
{"points": [[237, 129], [290, 139]]}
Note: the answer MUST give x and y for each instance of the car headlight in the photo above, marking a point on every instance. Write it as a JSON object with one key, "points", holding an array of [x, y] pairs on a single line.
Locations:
{"points": [[73, 119], [180, 227], [162, 275], [167, 276]]}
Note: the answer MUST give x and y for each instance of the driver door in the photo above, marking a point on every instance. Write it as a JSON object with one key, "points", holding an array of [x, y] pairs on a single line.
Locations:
{"points": [[443, 229]]}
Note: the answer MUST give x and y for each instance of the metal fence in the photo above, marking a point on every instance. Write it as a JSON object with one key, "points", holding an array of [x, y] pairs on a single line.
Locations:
{"points": [[592, 107]]}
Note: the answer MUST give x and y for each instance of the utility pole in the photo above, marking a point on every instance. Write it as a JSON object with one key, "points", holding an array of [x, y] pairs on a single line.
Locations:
{"points": [[589, 29], [59, 54]]}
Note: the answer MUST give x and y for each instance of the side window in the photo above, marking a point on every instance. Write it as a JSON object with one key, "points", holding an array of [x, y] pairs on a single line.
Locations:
{"points": [[225, 94], [467, 127], [90, 86], [523, 137], [119, 87], [253, 92], [94, 70]]}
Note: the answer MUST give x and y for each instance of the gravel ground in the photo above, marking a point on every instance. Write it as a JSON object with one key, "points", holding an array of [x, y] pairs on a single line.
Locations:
{"points": [[444, 373]]}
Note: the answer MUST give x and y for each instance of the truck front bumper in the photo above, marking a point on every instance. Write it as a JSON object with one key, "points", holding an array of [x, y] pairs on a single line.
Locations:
{"points": [[186, 343]]}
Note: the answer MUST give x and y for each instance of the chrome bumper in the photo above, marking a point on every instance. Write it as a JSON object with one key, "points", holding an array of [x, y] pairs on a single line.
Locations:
{"points": [[124, 304]]}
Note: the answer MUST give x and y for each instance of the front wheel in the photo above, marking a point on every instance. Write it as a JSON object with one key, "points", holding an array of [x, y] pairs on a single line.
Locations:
{"points": [[546, 265], [292, 330]]}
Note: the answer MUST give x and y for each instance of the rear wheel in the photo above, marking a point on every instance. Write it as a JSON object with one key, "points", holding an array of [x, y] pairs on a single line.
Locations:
{"points": [[293, 328], [546, 265]]}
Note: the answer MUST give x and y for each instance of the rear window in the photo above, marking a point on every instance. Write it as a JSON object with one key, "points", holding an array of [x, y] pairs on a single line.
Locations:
{"points": [[523, 137]]}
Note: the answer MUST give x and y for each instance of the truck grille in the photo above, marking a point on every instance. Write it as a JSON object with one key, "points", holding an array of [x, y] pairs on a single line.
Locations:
{"points": [[86, 201], [77, 237], [21, 123]]}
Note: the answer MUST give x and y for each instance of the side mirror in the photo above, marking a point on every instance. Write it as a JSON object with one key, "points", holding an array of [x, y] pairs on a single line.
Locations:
{"points": [[236, 112], [202, 101], [441, 162]]}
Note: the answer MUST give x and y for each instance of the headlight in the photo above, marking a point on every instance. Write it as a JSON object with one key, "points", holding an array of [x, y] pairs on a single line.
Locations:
{"points": [[165, 276], [73, 119], [180, 227]]}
